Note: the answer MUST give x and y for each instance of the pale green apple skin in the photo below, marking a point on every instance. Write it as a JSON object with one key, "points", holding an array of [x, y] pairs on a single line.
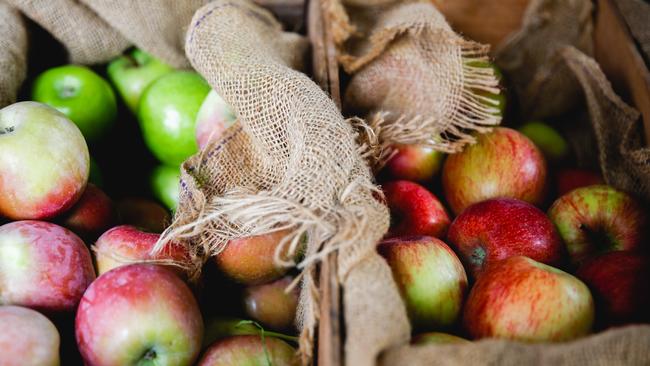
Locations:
{"points": [[547, 139], [167, 115], [214, 117], [28, 338], [248, 350], [44, 162], [82, 95], [430, 277], [165, 185], [438, 338], [133, 73]]}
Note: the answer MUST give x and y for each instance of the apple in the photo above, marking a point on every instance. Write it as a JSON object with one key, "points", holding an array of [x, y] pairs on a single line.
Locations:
{"points": [[619, 283], [214, 117], [502, 163], [165, 185], [499, 228], [488, 98], [437, 338], [95, 175], [43, 266], [27, 338], [144, 214], [524, 300], [44, 162], [570, 179], [414, 210], [82, 95], [167, 115], [548, 140], [222, 327], [430, 278], [133, 72], [249, 350], [597, 219], [126, 244], [91, 215], [417, 163], [271, 304], [250, 260]]}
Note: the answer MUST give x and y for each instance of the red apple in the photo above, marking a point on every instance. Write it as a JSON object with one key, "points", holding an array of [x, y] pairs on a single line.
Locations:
{"points": [[598, 219], [126, 244], [417, 163], [437, 338], [499, 228], [139, 314], [27, 338], [430, 278], [249, 350], [271, 304], [144, 214], [570, 179], [503, 163], [620, 284], [520, 299], [43, 266], [414, 210], [91, 215]]}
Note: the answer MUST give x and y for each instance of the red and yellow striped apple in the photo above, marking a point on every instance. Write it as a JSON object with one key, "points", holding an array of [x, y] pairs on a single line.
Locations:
{"points": [[91, 215], [417, 163], [249, 350], [414, 210]]}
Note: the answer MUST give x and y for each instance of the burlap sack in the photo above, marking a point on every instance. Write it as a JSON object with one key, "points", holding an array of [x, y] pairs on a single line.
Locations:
{"points": [[637, 15], [13, 54]]}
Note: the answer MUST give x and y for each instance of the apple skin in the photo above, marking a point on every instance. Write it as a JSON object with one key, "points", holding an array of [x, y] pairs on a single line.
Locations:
{"points": [[248, 350], [437, 338], [133, 72], [493, 100], [597, 219], [167, 115], [82, 95], [503, 163], [165, 185], [570, 179], [91, 215], [416, 163], [271, 305], [430, 278], [524, 300], [44, 162], [28, 338], [123, 245], [547, 139], [43, 266], [414, 210], [499, 228], [137, 314], [619, 283], [214, 117], [144, 214]]}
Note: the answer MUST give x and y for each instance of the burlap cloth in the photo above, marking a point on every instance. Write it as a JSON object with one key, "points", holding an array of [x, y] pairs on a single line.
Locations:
{"points": [[13, 58]]}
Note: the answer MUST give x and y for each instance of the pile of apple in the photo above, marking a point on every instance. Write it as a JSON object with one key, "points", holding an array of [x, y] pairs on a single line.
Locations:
{"points": [[495, 265], [78, 280]]}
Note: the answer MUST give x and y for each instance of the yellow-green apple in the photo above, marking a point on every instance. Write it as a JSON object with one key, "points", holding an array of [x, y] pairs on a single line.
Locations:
{"points": [[430, 278], [165, 185], [499, 228], [414, 210], [569, 179], [124, 244], [132, 73], [597, 219], [91, 215], [492, 99], [140, 314], [548, 140], [524, 300], [620, 284], [250, 260], [43, 266], [214, 117], [82, 95], [249, 350], [28, 338], [417, 163], [222, 327], [271, 304], [44, 162], [95, 175], [437, 338], [144, 214], [502, 163], [167, 115]]}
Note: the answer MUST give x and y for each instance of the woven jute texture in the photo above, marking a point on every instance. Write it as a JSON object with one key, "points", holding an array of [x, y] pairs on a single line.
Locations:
{"points": [[13, 57], [637, 15]]}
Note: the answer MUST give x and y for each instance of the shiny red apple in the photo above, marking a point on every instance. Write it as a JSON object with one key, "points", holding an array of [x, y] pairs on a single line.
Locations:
{"points": [[91, 215], [414, 210]]}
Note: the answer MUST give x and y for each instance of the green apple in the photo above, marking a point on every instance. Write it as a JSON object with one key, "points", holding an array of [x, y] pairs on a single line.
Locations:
{"points": [[165, 185], [167, 115], [496, 100], [95, 177], [82, 95], [549, 141], [133, 72]]}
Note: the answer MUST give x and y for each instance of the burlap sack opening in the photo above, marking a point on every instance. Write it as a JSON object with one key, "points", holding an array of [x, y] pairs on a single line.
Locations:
{"points": [[13, 58]]}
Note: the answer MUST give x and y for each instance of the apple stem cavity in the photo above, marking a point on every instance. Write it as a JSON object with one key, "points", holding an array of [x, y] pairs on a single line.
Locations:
{"points": [[478, 256], [600, 237]]}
